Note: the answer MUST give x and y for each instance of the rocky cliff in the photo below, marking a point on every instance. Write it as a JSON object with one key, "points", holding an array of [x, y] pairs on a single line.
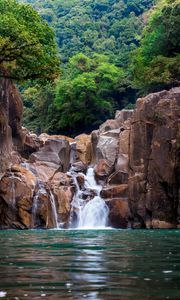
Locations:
{"points": [[136, 160]]}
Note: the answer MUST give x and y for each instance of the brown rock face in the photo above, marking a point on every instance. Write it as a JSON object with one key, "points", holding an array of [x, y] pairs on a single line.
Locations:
{"points": [[54, 151], [116, 191], [62, 187], [10, 121], [118, 213], [103, 169], [154, 161], [83, 148], [16, 193]]}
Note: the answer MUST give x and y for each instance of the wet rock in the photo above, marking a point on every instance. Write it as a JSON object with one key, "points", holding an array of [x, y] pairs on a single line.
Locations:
{"points": [[118, 177], [79, 166], [16, 193], [116, 191], [118, 213], [63, 190], [81, 180], [103, 169]]}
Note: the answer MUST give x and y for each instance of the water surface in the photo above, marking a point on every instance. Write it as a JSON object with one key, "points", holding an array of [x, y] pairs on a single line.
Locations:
{"points": [[93, 264]]}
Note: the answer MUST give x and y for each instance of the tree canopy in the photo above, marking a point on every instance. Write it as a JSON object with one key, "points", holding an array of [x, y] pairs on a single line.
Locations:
{"points": [[109, 27], [157, 61], [87, 93], [27, 44]]}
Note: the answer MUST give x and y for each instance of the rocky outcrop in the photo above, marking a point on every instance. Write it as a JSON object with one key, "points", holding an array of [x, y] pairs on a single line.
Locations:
{"points": [[10, 122], [136, 160], [154, 161], [83, 148]]}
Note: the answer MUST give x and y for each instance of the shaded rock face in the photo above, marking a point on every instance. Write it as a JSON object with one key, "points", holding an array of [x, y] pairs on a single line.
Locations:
{"points": [[154, 161], [10, 122]]}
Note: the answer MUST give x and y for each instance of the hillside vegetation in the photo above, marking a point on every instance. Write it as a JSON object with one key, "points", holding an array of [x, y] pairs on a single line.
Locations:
{"points": [[110, 51]]}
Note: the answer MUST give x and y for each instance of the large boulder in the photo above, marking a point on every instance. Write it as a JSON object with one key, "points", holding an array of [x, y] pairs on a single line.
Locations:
{"points": [[16, 193], [54, 151]]}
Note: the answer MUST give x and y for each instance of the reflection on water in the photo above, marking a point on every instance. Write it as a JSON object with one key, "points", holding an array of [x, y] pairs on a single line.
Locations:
{"points": [[98, 265]]}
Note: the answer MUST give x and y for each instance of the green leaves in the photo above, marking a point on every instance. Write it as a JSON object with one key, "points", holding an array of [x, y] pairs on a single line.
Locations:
{"points": [[87, 91], [156, 62], [27, 48]]}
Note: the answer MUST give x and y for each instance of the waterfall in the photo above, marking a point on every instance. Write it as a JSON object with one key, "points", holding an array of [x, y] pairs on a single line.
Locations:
{"points": [[92, 213], [42, 190], [54, 211]]}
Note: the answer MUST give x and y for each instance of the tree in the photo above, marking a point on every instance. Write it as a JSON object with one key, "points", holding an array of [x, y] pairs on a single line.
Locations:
{"points": [[87, 93], [157, 61], [27, 45]]}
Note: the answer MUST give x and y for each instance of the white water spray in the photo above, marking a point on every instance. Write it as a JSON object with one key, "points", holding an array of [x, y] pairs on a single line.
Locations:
{"points": [[94, 213], [54, 211]]}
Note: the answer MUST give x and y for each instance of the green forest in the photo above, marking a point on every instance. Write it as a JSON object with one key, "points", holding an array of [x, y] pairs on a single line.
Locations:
{"points": [[77, 61]]}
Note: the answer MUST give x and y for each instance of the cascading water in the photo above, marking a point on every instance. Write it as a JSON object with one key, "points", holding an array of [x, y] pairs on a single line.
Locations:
{"points": [[41, 190], [92, 213], [54, 211]]}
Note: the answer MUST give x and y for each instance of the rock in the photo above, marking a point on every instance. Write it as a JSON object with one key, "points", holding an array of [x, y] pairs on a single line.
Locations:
{"points": [[54, 151], [116, 191], [162, 225], [122, 163], [83, 148], [79, 166], [103, 169], [44, 170], [109, 125], [15, 115], [94, 142], [123, 115], [43, 137], [10, 121], [154, 164], [118, 177], [107, 148], [118, 213], [81, 180], [63, 190], [31, 143], [16, 193]]}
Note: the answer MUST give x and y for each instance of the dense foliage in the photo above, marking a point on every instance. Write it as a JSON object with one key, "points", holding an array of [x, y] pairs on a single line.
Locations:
{"points": [[102, 65], [157, 61], [111, 27], [84, 29], [88, 92], [27, 44]]}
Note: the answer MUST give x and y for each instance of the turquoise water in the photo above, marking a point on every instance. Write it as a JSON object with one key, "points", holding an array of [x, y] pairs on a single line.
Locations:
{"points": [[99, 264]]}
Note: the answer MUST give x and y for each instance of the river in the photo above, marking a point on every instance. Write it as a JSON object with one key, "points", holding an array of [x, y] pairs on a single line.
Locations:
{"points": [[90, 264]]}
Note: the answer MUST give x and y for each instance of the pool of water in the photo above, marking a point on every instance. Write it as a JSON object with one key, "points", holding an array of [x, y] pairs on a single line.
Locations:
{"points": [[90, 264]]}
